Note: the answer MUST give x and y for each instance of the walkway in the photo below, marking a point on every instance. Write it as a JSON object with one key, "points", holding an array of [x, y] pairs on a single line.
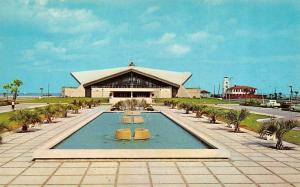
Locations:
{"points": [[252, 163], [20, 106]]}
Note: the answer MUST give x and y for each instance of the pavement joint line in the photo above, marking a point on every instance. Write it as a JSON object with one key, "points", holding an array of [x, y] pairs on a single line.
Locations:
{"points": [[85, 173], [52, 129], [213, 174], [52, 174], [260, 165], [181, 175], [149, 174], [19, 174], [117, 174]]}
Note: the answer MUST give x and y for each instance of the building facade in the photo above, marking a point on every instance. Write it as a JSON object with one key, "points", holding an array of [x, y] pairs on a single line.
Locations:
{"points": [[128, 82], [240, 92]]}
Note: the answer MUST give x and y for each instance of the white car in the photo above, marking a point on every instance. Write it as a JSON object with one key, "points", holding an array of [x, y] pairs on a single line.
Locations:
{"points": [[295, 107], [271, 103]]}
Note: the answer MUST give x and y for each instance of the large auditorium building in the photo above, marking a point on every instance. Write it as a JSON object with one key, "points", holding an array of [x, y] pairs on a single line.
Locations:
{"points": [[128, 82]]}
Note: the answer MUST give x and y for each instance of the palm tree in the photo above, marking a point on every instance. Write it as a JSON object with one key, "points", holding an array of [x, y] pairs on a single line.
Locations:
{"points": [[279, 127], [236, 117], [74, 108], [49, 111], [14, 87], [247, 91], [6, 87], [63, 109], [280, 95], [200, 110], [296, 94], [23, 118], [213, 113]]}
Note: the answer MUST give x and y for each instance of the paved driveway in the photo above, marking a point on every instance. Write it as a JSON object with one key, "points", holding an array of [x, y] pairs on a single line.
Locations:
{"points": [[21, 106], [268, 111]]}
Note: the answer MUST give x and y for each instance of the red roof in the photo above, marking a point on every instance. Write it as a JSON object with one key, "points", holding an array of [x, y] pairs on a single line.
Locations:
{"points": [[241, 87]]}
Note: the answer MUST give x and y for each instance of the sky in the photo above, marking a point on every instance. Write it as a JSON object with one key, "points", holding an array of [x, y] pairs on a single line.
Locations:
{"points": [[255, 42]]}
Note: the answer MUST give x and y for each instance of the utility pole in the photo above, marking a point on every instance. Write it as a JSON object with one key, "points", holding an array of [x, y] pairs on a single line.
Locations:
{"points": [[219, 90], [291, 93], [48, 89], [214, 91]]}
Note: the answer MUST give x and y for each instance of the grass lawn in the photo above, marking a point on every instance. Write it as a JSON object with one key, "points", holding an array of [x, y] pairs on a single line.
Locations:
{"points": [[197, 101], [4, 117], [61, 100], [250, 123]]}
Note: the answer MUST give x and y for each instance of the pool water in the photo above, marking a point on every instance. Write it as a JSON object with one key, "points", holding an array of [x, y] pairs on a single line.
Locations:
{"points": [[99, 134]]}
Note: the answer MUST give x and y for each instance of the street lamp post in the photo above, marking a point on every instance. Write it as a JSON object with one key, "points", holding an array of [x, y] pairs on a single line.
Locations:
{"points": [[41, 91], [291, 93]]}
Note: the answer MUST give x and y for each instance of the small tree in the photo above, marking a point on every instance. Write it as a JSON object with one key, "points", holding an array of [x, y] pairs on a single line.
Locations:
{"points": [[236, 117], [213, 113], [63, 109], [201, 109], [74, 108], [23, 118], [14, 87], [6, 87], [49, 111], [279, 127]]}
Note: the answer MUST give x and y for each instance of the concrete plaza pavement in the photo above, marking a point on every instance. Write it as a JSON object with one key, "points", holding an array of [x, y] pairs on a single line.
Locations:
{"points": [[252, 161]]}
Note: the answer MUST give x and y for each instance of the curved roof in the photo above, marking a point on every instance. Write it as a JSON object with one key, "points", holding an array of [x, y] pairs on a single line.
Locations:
{"points": [[173, 77]]}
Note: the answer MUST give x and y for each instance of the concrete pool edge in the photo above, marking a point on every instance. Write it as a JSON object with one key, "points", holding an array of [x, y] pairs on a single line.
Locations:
{"points": [[46, 151]]}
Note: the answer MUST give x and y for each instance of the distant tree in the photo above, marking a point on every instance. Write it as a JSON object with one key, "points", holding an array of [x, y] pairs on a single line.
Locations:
{"points": [[280, 95], [247, 91], [296, 94], [14, 88], [6, 87]]}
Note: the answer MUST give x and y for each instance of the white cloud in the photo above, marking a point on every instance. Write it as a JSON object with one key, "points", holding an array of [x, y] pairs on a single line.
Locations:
{"points": [[152, 9], [41, 2], [197, 36], [204, 37], [152, 25], [101, 42], [178, 49], [38, 15], [165, 38], [49, 47]]}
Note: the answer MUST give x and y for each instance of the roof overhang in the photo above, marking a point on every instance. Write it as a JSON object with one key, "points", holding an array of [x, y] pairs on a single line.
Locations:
{"points": [[128, 71]]}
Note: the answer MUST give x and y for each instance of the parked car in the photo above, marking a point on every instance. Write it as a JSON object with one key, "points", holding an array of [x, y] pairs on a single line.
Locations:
{"points": [[295, 107], [286, 105], [271, 103]]}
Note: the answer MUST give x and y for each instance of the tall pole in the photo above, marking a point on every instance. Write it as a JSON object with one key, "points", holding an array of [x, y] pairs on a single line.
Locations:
{"points": [[291, 93], [48, 89], [214, 91]]}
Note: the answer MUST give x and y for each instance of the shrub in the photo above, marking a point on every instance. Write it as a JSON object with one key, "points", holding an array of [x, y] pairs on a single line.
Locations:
{"points": [[279, 127], [201, 110], [49, 112], [25, 117], [235, 117], [212, 113]]}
